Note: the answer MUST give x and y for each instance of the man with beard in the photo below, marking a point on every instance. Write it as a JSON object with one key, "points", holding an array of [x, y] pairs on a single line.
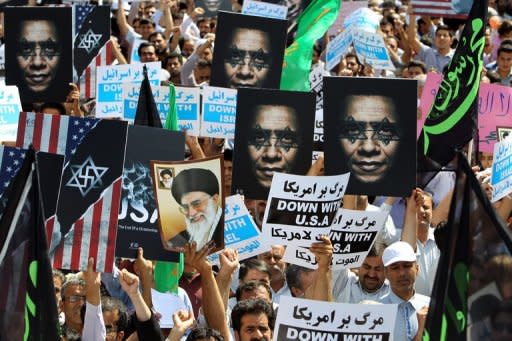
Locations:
{"points": [[253, 320], [274, 260], [371, 283], [196, 190], [73, 299]]}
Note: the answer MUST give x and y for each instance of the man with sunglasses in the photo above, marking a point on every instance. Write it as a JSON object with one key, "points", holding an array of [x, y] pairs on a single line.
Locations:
{"points": [[196, 190]]}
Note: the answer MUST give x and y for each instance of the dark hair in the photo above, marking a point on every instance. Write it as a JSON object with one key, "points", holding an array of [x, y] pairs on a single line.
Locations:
{"points": [[166, 171], [204, 333], [145, 21], [54, 105], [156, 33], [112, 303], [253, 264], [417, 63], [252, 307], [505, 28], [293, 273], [251, 286], [145, 45], [444, 28], [506, 48], [173, 54], [228, 155], [352, 55]]}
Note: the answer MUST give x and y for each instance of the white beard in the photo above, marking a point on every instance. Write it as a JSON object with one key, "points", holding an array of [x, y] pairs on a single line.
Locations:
{"points": [[202, 231]]}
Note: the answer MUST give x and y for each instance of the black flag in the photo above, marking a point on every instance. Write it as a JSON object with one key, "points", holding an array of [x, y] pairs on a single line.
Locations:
{"points": [[147, 112], [473, 239], [28, 308], [453, 118]]}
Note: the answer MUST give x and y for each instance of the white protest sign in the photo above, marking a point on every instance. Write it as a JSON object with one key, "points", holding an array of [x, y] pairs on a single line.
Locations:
{"points": [[300, 319], [337, 48], [316, 82], [501, 179], [371, 49], [301, 208], [363, 19], [109, 85], [219, 112], [240, 231], [264, 9], [131, 93], [352, 235], [166, 304], [187, 106], [10, 107]]}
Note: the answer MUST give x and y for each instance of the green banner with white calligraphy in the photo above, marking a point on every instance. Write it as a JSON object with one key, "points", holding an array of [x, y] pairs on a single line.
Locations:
{"points": [[452, 119]]}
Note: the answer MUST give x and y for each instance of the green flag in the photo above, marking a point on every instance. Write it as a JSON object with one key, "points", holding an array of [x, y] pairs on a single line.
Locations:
{"points": [[167, 275], [313, 23], [171, 123]]}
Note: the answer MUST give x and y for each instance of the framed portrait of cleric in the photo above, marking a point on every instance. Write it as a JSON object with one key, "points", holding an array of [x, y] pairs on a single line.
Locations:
{"points": [[38, 55], [504, 133], [273, 133], [370, 131], [249, 51], [192, 210]]}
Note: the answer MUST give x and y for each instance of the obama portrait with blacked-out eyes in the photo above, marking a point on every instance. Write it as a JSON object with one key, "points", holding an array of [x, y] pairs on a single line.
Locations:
{"points": [[248, 52], [368, 125], [38, 54]]}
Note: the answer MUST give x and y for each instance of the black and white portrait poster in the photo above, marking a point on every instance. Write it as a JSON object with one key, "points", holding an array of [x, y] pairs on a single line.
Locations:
{"points": [[190, 200], [138, 215], [370, 131], [38, 55], [301, 208], [249, 51], [273, 134], [301, 319], [211, 7]]}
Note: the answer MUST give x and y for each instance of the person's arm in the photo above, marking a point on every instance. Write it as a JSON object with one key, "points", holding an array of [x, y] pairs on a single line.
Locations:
{"points": [[121, 20], [94, 326], [440, 213], [183, 320], [194, 146], [504, 207], [228, 265], [116, 51], [212, 299], [165, 7], [317, 168], [413, 40], [422, 318], [72, 100], [409, 231], [188, 68], [144, 269], [321, 288], [176, 34]]}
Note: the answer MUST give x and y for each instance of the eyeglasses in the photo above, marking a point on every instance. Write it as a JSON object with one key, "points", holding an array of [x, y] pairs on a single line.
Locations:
{"points": [[47, 48], [196, 205], [384, 131], [74, 298], [284, 138], [258, 59]]}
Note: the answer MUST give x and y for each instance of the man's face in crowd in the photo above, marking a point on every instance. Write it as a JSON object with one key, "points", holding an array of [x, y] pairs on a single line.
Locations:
{"points": [[371, 274], [204, 28], [274, 260], [228, 175], [443, 39], [425, 212], [111, 319], [414, 71], [38, 53], [247, 62], [254, 327], [401, 277], [486, 160], [148, 54], [173, 65], [258, 293], [72, 302], [255, 275], [504, 61], [352, 64], [202, 74], [387, 30], [207, 54], [159, 42], [369, 136], [273, 142], [188, 48], [149, 11], [146, 30]]}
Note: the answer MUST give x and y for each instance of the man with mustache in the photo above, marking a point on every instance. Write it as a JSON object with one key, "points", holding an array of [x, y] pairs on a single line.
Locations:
{"points": [[370, 284], [196, 190], [274, 260], [401, 269], [253, 320]]}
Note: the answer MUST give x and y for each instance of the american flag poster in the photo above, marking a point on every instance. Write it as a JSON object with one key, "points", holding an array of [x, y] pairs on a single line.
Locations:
{"points": [[92, 27], [87, 81], [53, 133], [442, 8], [10, 163], [85, 222]]}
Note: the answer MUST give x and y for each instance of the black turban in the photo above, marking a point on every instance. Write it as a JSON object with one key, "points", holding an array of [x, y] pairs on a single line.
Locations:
{"points": [[194, 180]]}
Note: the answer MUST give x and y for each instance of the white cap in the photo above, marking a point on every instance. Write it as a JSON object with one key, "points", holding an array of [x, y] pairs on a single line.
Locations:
{"points": [[398, 252]]}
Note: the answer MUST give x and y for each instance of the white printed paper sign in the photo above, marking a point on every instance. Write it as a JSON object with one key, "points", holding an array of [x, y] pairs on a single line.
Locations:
{"points": [[300, 319], [219, 112], [10, 107], [131, 93], [337, 48], [109, 85], [264, 9], [301, 208], [501, 179], [371, 49], [187, 105]]}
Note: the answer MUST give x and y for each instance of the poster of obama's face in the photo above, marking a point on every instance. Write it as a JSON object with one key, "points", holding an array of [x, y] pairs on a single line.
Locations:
{"points": [[38, 55], [370, 131], [274, 134], [249, 51]]}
